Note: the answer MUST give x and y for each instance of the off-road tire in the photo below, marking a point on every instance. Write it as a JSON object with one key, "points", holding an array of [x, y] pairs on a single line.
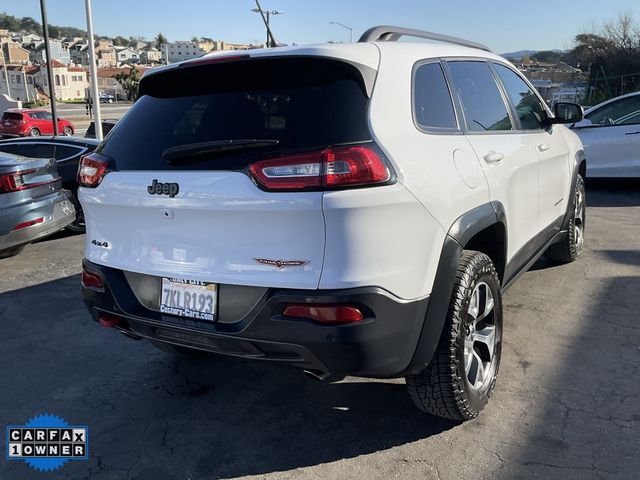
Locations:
{"points": [[442, 388], [568, 249]]}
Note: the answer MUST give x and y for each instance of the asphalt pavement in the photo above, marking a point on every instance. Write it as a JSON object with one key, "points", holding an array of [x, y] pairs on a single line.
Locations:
{"points": [[566, 405]]}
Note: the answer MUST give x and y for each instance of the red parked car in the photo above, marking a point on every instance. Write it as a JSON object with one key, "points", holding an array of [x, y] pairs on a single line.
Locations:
{"points": [[23, 122]]}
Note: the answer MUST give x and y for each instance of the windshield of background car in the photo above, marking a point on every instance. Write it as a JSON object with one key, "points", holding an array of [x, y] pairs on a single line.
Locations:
{"points": [[303, 103]]}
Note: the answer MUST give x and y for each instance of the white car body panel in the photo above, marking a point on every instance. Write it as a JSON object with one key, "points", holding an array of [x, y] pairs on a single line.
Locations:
{"points": [[612, 150], [380, 237], [212, 231]]}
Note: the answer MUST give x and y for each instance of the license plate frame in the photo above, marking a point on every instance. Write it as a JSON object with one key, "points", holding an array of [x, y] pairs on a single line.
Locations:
{"points": [[193, 299]]}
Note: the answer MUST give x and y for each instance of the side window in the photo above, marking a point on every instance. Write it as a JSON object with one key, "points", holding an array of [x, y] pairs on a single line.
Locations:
{"points": [[484, 109], [625, 111], [432, 105], [65, 152], [33, 150], [526, 103]]}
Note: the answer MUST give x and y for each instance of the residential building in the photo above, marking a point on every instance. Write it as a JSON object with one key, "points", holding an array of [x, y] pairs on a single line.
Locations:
{"points": [[27, 83], [179, 51], [219, 45], [108, 84], [127, 55], [59, 51], [13, 53], [150, 56]]}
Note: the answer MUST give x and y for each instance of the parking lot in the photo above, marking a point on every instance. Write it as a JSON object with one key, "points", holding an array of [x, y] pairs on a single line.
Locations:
{"points": [[567, 402]]}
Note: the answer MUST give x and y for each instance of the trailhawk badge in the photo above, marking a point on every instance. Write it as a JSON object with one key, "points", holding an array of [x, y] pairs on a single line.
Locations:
{"points": [[280, 264]]}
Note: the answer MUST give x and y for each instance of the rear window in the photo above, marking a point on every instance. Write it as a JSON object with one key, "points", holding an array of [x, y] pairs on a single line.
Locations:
{"points": [[12, 116], [303, 103]]}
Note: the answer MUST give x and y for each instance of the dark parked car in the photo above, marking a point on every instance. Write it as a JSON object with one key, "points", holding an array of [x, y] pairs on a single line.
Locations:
{"points": [[66, 151], [107, 125], [32, 202], [26, 122]]}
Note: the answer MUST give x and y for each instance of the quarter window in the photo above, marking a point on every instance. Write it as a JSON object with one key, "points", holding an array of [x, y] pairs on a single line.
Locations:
{"points": [[432, 105], [483, 107], [529, 110]]}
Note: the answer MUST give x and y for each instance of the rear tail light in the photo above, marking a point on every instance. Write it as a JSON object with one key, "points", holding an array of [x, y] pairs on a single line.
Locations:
{"points": [[324, 313], [22, 225], [330, 168], [92, 281], [92, 169], [15, 181]]}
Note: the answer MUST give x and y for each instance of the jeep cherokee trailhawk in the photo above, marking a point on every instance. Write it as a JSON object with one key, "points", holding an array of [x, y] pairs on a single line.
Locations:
{"points": [[345, 209]]}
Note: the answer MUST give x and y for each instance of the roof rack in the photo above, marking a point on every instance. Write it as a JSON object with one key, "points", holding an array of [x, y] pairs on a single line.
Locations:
{"points": [[387, 33]]}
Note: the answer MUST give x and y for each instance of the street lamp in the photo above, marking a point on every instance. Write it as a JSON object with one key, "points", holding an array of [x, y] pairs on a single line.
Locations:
{"points": [[344, 26], [268, 13]]}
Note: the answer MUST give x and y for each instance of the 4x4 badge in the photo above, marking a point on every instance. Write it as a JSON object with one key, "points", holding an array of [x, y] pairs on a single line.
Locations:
{"points": [[280, 264]]}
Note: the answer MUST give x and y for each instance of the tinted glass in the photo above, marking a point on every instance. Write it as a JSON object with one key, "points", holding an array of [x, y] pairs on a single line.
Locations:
{"points": [[432, 101], [625, 111], [33, 150], [65, 152], [482, 103], [12, 116], [304, 104], [528, 107]]}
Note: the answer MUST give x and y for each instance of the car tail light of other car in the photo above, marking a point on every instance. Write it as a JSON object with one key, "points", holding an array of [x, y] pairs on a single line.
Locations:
{"points": [[92, 169], [333, 167], [16, 181]]}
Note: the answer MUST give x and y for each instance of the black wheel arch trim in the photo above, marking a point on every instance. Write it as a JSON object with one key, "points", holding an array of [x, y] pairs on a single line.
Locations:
{"points": [[463, 229]]}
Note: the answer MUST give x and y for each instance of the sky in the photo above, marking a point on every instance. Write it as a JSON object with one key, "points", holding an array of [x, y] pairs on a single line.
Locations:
{"points": [[503, 25]]}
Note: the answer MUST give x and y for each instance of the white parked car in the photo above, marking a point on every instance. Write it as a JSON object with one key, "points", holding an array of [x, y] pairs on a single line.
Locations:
{"points": [[345, 209], [610, 133]]}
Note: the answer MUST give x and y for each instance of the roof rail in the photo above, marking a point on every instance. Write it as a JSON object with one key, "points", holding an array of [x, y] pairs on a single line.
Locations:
{"points": [[387, 33]]}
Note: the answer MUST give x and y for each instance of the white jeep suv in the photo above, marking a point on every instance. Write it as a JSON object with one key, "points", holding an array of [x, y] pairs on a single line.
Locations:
{"points": [[346, 209]]}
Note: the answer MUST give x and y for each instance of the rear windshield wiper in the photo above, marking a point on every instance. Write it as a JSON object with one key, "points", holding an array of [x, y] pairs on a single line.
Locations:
{"points": [[191, 151]]}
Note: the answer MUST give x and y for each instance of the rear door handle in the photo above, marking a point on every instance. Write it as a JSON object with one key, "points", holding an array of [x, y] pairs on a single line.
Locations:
{"points": [[493, 157], [632, 133], [543, 147]]}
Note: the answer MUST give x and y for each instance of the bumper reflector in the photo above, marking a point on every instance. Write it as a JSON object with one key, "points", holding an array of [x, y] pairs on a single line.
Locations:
{"points": [[92, 281], [108, 321], [325, 313]]}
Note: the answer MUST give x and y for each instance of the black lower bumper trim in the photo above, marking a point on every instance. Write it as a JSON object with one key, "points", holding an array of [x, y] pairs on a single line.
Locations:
{"points": [[382, 345]]}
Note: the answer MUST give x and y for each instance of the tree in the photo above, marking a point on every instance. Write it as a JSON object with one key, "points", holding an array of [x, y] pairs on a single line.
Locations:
{"points": [[195, 40], [160, 39], [611, 58], [120, 41], [129, 82]]}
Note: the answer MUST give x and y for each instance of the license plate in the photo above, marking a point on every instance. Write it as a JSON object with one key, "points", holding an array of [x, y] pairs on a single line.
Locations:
{"points": [[189, 298], [7, 124]]}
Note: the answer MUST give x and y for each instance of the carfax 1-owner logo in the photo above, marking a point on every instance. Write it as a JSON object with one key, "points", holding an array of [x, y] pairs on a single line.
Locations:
{"points": [[47, 442]]}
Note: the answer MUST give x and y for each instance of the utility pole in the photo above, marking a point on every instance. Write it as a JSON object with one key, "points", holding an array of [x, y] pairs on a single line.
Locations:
{"points": [[52, 91], [6, 75], [95, 99], [266, 15]]}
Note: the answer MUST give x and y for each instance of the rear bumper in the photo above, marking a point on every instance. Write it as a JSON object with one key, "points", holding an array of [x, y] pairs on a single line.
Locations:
{"points": [[382, 345], [57, 210]]}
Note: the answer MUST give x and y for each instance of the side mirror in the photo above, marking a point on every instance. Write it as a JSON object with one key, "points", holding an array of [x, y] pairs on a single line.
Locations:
{"points": [[566, 112]]}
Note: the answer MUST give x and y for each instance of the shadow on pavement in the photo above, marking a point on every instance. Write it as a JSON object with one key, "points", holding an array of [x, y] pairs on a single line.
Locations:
{"points": [[587, 424], [617, 192], [154, 416]]}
